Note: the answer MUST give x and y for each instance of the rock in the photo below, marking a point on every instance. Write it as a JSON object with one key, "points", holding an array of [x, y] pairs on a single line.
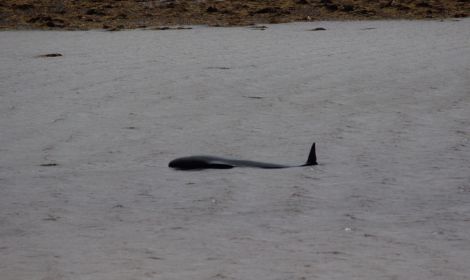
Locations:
{"points": [[259, 27], [212, 9], [50, 55], [116, 28], [95, 12], [49, 164], [423, 5], [268, 10], [47, 21], [348, 8], [169, 28], [23, 7], [317, 29], [331, 7], [160, 28]]}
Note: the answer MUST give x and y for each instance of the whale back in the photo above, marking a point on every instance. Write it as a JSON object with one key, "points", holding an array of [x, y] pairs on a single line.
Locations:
{"points": [[210, 162], [198, 162]]}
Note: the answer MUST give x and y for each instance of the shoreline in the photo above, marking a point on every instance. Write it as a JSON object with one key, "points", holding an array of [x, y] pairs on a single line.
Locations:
{"points": [[89, 15], [254, 26]]}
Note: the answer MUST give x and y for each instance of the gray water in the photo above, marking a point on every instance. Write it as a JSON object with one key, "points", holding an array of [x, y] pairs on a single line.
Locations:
{"points": [[85, 191]]}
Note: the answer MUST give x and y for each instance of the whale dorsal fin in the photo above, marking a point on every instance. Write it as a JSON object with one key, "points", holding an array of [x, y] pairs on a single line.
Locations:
{"points": [[312, 157]]}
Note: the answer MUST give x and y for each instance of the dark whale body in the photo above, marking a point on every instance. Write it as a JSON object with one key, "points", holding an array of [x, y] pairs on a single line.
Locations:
{"points": [[210, 162]]}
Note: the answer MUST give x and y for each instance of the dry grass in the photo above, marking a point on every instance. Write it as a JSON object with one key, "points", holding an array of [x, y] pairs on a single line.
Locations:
{"points": [[89, 14]]}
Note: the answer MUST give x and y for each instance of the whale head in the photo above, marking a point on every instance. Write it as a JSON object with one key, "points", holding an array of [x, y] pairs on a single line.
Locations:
{"points": [[198, 162]]}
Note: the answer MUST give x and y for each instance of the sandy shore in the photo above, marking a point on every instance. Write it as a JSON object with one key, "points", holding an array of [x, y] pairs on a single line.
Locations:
{"points": [[85, 191]]}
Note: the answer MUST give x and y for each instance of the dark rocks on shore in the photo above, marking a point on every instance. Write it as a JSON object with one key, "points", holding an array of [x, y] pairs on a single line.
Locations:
{"points": [[90, 14], [48, 21]]}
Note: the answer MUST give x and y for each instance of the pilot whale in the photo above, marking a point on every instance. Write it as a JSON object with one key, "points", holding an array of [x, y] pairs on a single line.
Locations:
{"points": [[210, 162]]}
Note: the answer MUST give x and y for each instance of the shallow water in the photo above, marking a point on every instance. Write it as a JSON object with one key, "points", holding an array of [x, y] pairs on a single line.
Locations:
{"points": [[86, 139]]}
